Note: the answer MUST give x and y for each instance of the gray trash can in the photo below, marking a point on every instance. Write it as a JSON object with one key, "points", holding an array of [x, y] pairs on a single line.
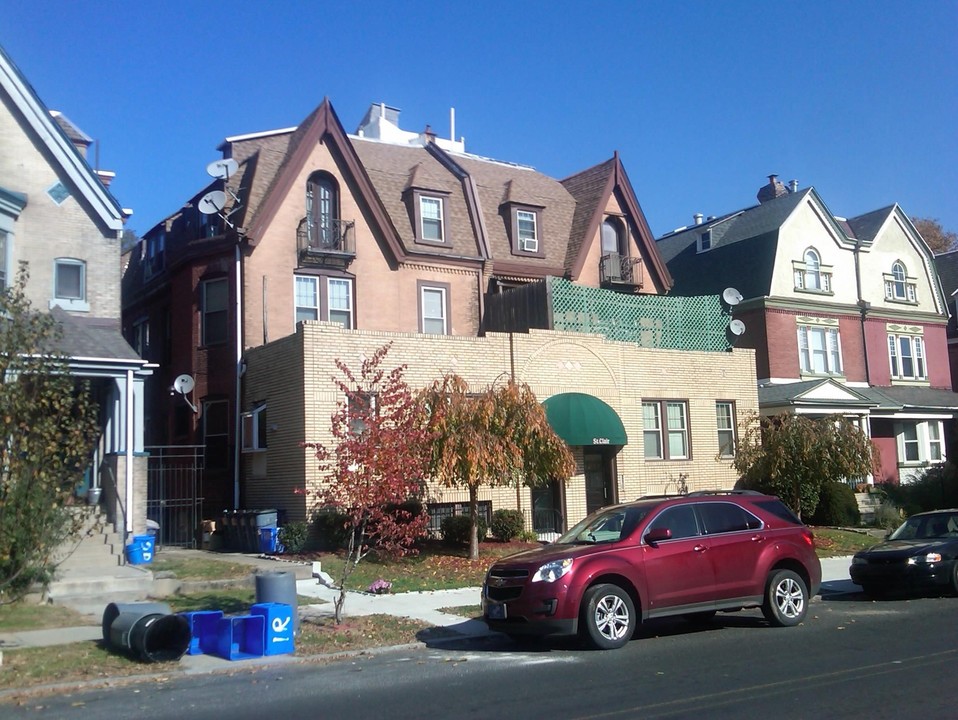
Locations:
{"points": [[278, 587], [147, 631]]}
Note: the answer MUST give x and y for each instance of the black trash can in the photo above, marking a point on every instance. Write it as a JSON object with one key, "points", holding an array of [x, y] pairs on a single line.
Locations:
{"points": [[278, 587], [147, 631]]}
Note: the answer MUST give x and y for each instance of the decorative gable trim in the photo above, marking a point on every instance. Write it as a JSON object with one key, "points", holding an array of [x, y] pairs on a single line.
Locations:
{"points": [[649, 252], [62, 150], [323, 126]]}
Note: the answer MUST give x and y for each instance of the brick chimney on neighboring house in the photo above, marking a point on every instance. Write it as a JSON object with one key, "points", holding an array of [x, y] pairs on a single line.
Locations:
{"points": [[774, 189]]}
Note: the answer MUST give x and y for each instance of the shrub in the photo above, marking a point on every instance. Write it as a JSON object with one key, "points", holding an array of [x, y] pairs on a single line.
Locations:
{"points": [[507, 524], [936, 488], [456, 528], [836, 506], [887, 516], [528, 536], [293, 536], [331, 530]]}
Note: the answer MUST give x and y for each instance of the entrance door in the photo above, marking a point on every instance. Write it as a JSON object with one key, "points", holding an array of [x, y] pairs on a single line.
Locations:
{"points": [[599, 490]]}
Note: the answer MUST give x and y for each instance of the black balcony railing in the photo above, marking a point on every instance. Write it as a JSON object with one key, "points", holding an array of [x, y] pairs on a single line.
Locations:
{"points": [[617, 269], [332, 242]]}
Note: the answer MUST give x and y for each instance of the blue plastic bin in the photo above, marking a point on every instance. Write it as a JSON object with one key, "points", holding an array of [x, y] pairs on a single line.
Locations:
{"points": [[203, 627], [279, 627], [268, 542], [240, 637], [140, 550]]}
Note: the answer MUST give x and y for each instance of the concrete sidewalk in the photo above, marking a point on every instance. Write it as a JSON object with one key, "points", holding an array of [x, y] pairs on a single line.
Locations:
{"points": [[425, 606]]}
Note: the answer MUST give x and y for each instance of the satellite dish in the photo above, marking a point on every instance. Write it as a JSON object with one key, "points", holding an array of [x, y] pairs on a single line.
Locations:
{"points": [[731, 296], [212, 203], [222, 169], [183, 384], [736, 327]]}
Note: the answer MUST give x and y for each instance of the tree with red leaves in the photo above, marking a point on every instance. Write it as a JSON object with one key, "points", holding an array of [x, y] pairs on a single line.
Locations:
{"points": [[376, 471], [497, 437]]}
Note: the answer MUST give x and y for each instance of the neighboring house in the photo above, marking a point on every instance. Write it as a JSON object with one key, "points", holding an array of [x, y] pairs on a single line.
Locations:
{"points": [[57, 216], [322, 245], [947, 266], [845, 316]]}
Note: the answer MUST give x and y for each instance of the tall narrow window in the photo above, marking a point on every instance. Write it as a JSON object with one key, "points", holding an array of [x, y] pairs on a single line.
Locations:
{"points": [[725, 424], [672, 441], [678, 430], [322, 211], [141, 337], [307, 298], [906, 355], [613, 237], [527, 230], [652, 430], [898, 284], [340, 301], [430, 209], [433, 303], [215, 328], [935, 443]]}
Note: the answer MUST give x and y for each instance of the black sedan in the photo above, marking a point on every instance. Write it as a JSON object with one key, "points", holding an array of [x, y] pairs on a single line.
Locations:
{"points": [[920, 555]]}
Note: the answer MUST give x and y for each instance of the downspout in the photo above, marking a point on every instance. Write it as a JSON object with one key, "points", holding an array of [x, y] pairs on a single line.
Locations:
{"points": [[238, 331], [129, 451]]}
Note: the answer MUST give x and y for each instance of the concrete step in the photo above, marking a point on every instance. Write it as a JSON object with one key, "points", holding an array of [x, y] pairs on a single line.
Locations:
{"points": [[100, 585]]}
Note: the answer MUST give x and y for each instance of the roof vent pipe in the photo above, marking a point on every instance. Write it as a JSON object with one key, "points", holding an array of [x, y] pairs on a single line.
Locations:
{"points": [[452, 124], [793, 186], [698, 218]]}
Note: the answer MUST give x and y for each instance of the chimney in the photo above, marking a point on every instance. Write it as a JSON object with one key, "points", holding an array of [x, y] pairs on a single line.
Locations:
{"points": [[773, 190], [793, 186], [430, 135], [698, 218]]}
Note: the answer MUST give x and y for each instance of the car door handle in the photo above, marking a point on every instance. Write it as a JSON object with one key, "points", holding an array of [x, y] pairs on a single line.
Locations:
{"points": [[758, 538], [700, 548]]}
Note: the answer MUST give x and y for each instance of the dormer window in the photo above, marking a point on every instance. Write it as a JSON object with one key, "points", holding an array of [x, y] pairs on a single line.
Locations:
{"points": [[811, 275], [705, 241], [899, 286], [429, 211], [525, 228]]}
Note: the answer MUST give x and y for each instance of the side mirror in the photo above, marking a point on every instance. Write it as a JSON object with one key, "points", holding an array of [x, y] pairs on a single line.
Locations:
{"points": [[658, 535]]}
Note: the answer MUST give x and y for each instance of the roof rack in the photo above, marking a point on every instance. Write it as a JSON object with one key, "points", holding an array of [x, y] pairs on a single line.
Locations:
{"points": [[699, 493], [663, 496]]}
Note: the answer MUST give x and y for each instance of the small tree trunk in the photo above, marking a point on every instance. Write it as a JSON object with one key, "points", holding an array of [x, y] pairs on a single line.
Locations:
{"points": [[348, 567], [473, 522]]}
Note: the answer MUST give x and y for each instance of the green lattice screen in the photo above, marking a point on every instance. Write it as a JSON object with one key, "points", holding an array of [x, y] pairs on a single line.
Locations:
{"points": [[653, 321]]}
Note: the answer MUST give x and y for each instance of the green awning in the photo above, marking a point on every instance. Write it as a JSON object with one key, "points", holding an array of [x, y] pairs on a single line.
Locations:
{"points": [[581, 419]]}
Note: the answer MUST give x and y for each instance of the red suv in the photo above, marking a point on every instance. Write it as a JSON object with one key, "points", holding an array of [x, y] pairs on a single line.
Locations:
{"points": [[689, 555]]}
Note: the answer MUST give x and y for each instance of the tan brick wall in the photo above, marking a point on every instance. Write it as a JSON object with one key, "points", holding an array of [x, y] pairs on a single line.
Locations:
{"points": [[46, 231], [618, 373]]}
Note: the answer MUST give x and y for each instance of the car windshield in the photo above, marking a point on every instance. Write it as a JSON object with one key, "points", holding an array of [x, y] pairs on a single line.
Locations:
{"points": [[927, 527], [606, 526]]}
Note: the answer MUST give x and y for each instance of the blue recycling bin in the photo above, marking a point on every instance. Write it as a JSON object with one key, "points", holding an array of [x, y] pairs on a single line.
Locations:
{"points": [[278, 626], [240, 637], [140, 550], [203, 630], [268, 542]]}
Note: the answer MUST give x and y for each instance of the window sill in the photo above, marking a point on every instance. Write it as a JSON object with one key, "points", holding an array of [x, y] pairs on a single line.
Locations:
{"points": [[808, 291], [804, 375], [910, 382], [71, 305], [433, 243], [902, 301]]}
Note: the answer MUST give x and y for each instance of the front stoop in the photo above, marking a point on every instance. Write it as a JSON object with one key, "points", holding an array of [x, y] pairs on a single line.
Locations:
{"points": [[868, 504], [92, 571]]}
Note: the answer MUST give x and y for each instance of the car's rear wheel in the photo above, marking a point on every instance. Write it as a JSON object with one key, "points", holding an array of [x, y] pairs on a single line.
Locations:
{"points": [[786, 598], [608, 616]]}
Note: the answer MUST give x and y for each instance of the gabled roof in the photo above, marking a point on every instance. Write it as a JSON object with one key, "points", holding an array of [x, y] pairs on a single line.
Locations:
{"points": [[62, 151], [824, 393], [592, 189], [947, 266], [865, 227]]}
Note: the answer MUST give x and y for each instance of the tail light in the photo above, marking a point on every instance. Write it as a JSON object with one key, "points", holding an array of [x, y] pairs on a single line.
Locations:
{"points": [[809, 537]]}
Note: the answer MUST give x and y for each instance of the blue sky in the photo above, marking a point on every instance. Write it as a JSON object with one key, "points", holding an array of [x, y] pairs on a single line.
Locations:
{"points": [[702, 100]]}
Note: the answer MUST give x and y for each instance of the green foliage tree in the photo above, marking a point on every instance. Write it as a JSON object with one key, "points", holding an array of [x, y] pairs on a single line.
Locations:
{"points": [[934, 235], [497, 437], [377, 466], [792, 456], [48, 426]]}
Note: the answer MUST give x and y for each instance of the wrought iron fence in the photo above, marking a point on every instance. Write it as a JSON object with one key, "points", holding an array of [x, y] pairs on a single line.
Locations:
{"points": [[175, 492]]}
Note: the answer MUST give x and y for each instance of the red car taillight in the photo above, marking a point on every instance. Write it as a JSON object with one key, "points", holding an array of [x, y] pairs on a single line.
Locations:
{"points": [[809, 537]]}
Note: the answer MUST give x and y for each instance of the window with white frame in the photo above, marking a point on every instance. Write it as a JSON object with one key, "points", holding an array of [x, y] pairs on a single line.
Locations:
{"points": [[811, 275], [339, 300], [433, 304], [215, 314], [906, 354], [254, 429], [324, 298], [819, 350], [899, 286], [69, 284], [665, 430], [3, 260], [920, 442], [527, 231], [431, 218], [725, 425]]}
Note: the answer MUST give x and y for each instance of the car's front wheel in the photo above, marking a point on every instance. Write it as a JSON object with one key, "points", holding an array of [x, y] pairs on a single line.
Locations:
{"points": [[786, 598], [608, 616]]}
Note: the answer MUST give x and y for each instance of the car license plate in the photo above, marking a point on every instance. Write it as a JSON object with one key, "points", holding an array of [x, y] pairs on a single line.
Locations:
{"points": [[496, 611]]}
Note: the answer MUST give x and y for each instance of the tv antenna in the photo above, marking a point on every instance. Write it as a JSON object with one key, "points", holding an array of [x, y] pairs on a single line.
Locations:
{"points": [[183, 385], [214, 202]]}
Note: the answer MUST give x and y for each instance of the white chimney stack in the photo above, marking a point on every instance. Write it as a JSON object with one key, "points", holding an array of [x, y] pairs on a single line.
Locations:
{"points": [[698, 218], [452, 124]]}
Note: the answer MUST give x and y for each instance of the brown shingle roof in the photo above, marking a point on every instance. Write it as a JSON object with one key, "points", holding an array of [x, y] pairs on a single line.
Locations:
{"points": [[588, 188]]}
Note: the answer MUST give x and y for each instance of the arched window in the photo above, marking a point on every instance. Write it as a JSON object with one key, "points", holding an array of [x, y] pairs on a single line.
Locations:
{"points": [[898, 286], [810, 274], [613, 237], [813, 270], [899, 275], [322, 211]]}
